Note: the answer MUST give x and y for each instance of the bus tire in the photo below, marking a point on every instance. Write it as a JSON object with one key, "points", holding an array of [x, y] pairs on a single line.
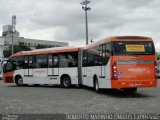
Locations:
{"points": [[96, 85], [130, 90], [19, 81], [66, 81]]}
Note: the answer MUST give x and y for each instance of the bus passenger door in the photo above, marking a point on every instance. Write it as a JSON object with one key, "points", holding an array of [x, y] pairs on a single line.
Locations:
{"points": [[53, 70], [26, 71], [84, 64], [50, 65], [31, 65], [84, 68], [84, 71], [55, 65], [102, 57]]}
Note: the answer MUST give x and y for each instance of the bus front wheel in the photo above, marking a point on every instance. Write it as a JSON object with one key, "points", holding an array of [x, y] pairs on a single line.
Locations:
{"points": [[66, 81], [19, 81]]}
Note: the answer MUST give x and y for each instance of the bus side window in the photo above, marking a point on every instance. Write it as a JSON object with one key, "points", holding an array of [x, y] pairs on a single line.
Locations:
{"points": [[91, 60], [55, 61], [41, 61], [18, 61], [63, 60], [26, 65], [9, 66], [100, 58], [108, 49], [50, 61], [69, 59], [104, 53], [107, 53], [32, 61], [73, 59], [84, 59]]}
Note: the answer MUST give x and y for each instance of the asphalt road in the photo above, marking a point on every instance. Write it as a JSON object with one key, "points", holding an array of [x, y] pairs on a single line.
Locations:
{"points": [[54, 99]]}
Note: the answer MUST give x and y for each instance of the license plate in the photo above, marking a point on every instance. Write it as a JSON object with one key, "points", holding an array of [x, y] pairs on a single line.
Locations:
{"points": [[137, 84]]}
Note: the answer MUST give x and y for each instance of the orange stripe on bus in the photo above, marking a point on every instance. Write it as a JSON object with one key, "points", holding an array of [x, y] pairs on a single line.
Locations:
{"points": [[45, 52]]}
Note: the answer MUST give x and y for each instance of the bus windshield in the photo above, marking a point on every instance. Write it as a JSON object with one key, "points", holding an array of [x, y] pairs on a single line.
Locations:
{"points": [[9, 66], [133, 48]]}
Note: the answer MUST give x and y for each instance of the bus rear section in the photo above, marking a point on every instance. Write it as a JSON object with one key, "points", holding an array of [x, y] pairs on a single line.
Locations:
{"points": [[134, 64]]}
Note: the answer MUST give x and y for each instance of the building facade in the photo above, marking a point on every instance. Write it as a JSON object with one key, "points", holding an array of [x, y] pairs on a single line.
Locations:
{"points": [[32, 43], [6, 41]]}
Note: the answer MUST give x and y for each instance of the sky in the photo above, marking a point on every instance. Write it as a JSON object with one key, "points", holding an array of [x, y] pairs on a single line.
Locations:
{"points": [[64, 20]]}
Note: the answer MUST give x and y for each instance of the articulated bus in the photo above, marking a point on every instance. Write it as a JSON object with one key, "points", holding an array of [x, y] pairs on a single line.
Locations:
{"points": [[43, 66], [125, 62], [122, 62]]}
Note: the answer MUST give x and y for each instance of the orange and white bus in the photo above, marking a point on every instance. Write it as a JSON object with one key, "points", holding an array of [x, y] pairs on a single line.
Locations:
{"points": [[125, 62], [43, 66]]}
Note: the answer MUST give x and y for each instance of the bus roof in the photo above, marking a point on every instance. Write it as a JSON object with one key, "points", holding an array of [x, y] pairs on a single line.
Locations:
{"points": [[118, 38], [47, 51]]}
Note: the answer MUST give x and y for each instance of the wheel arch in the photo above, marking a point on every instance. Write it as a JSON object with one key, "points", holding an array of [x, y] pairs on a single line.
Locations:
{"points": [[16, 77], [64, 75]]}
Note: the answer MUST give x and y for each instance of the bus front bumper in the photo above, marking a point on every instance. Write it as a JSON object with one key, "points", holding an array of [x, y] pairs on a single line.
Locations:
{"points": [[8, 80]]}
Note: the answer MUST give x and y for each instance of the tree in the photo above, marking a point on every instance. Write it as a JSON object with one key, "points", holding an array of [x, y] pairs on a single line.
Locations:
{"points": [[41, 46], [17, 48]]}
